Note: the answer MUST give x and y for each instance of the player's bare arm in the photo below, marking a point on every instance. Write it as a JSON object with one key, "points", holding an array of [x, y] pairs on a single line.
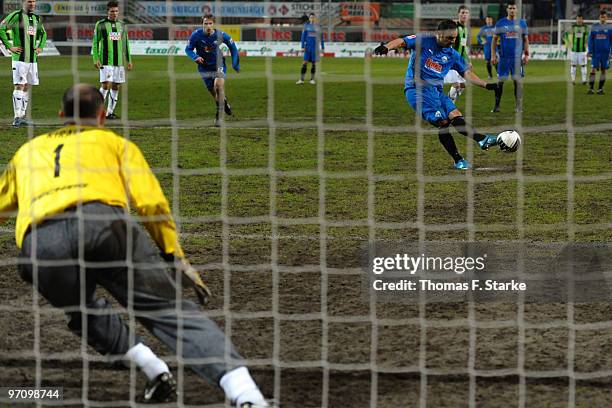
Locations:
{"points": [[493, 48], [525, 49], [474, 79]]}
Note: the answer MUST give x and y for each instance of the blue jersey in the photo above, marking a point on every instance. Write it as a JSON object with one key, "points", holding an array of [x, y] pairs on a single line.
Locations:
{"points": [[511, 34], [434, 61], [487, 33], [600, 39], [207, 46], [312, 37]]}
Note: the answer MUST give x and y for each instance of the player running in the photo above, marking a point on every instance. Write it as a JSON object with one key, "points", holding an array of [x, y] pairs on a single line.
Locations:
{"points": [[485, 38], [312, 44], [511, 35], [203, 48], [461, 45], [431, 60], [600, 51], [28, 40], [578, 38], [111, 49]]}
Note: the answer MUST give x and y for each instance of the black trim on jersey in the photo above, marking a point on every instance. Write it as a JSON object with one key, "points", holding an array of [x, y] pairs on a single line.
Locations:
{"points": [[104, 43], [33, 39], [21, 36], [115, 47]]}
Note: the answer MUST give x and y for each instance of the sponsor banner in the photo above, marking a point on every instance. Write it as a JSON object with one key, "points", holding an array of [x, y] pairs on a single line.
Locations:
{"points": [[293, 34], [359, 12], [546, 52], [86, 31], [146, 32], [256, 48], [437, 10], [62, 8], [235, 9]]}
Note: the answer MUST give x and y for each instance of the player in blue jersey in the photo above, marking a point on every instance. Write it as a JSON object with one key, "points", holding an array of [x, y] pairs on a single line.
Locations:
{"points": [[600, 51], [511, 35], [203, 49], [312, 44], [431, 59], [485, 38]]}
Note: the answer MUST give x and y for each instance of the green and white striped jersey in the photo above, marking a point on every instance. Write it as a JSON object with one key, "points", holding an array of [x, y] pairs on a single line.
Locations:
{"points": [[461, 43], [579, 37], [110, 43], [26, 31]]}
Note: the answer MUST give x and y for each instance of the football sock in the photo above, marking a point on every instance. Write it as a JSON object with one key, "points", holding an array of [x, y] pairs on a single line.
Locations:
{"points": [[449, 143], [518, 93], [583, 71], [499, 93], [573, 72], [489, 70], [453, 93], [104, 92], [147, 361], [313, 69], [303, 72], [17, 102], [602, 80], [592, 80], [217, 110], [25, 99], [112, 102], [240, 388], [466, 130]]}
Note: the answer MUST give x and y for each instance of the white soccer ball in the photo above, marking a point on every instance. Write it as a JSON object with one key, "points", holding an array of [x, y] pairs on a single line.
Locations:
{"points": [[509, 141]]}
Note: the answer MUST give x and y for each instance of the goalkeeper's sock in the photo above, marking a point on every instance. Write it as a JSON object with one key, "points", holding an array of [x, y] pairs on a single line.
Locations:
{"points": [[449, 143], [466, 130], [303, 72], [147, 361], [592, 80], [573, 73], [112, 102], [313, 69], [104, 93], [25, 99], [17, 102], [602, 80], [240, 388]]}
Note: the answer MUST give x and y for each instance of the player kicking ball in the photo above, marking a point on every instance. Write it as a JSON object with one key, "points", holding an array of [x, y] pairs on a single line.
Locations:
{"points": [[432, 58], [203, 49]]}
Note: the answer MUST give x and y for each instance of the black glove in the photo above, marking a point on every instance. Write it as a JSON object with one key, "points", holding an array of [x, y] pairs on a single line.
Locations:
{"points": [[381, 49], [492, 87]]}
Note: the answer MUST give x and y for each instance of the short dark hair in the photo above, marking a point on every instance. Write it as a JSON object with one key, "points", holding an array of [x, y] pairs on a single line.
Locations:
{"points": [[447, 25], [463, 7], [89, 98], [579, 16], [312, 14], [208, 17], [112, 4], [510, 3], [602, 12]]}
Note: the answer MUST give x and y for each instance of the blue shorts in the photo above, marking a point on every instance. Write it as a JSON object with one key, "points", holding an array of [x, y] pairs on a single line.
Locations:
{"points": [[431, 102], [210, 72], [600, 61], [311, 55], [510, 67]]}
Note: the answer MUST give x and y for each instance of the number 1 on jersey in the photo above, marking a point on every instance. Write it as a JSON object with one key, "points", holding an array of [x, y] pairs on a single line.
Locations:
{"points": [[57, 150]]}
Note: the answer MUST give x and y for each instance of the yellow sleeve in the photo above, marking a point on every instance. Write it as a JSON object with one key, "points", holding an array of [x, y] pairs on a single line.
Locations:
{"points": [[8, 191], [148, 199]]}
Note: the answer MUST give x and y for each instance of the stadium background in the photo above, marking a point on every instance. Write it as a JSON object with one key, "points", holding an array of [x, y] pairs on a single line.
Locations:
{"points": [[342, 155]]}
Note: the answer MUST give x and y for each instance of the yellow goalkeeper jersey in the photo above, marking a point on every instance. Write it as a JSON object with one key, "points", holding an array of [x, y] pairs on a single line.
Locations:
{"points": [[73, 165]]}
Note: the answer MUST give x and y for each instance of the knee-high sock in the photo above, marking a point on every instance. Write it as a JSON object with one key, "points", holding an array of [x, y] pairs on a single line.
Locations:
{"points": [[465, 129], [573, 72], [489, 68], [602, 79], [303, 72], [453, 93], [449, 143], [499, 93], [104, 93], [147, 361], [592, 80], [313, 69], [112, 102], [518, 92], [17, 103], [25, 99], [583, 71]]}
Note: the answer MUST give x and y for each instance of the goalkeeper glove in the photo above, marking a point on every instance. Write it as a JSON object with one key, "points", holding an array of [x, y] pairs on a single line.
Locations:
{"points": [[381, 49], [191, 273]]}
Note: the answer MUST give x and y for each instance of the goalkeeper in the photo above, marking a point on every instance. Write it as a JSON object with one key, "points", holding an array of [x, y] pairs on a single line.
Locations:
{"points": [[75, 232], [203, 49], [425, 80]]}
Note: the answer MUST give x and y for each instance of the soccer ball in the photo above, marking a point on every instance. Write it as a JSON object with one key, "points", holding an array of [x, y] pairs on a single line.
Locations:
{"points": [[509, 141]]}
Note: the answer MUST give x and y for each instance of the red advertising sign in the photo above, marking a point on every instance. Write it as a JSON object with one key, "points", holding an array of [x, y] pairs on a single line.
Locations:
{"points": [[360, 12]]}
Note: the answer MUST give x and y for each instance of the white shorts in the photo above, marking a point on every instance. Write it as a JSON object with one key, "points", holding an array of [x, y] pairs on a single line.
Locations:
{"points": [[109, 73], [578, 58], [453, 77], [25, 73]]}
